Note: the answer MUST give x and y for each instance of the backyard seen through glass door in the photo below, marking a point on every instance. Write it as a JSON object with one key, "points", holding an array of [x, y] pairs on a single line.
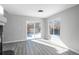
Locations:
{"points": [[54, 29]]}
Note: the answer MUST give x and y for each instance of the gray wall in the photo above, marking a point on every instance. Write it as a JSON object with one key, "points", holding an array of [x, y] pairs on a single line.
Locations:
{"points": [[44, 29], [69, 27], [15, 28]]}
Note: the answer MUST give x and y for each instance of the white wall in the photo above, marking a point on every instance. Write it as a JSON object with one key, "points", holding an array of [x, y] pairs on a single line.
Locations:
{"points": [[69, 27]]}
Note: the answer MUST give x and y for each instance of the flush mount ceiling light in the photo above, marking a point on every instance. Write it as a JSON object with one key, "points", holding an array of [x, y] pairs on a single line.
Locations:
{"points": [[40, 10]]}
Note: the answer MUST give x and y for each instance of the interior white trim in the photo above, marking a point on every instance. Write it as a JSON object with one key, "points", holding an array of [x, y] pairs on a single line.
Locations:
{"points": [[13, 41]]}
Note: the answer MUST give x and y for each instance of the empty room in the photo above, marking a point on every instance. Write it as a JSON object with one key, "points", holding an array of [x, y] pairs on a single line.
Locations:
{"points": [[39, 29]]}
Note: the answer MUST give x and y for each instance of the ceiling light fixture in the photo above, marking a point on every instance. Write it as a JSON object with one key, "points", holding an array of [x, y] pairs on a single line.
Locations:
{"points": [[40, 10]]}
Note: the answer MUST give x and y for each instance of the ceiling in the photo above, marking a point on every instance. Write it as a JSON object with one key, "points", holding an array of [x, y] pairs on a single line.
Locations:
{"points": [[32, 9]]}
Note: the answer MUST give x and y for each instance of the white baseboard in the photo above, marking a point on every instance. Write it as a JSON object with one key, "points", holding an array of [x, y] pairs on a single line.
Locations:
{"points": [[13, 41]]}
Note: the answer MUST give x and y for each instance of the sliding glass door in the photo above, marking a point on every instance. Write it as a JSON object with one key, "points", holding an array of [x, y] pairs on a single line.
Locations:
{"points": [[33, 31], [54, 29], [54, 32]]}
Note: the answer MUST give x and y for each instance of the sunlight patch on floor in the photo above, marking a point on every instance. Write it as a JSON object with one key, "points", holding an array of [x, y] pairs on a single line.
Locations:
{"points": [[56, 40], [60, 50]]}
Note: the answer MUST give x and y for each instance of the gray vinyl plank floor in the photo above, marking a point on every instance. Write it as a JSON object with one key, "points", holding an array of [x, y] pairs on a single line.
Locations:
{"points": [[30, 47]]}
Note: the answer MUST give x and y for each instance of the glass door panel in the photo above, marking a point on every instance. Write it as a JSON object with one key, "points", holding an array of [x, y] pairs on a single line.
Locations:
{"points": [[57, 28], [30, 31], [54, 29], [37, 30]]}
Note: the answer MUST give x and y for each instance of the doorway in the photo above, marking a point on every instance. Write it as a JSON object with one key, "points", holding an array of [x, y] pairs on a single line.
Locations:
{"points": [[33, 30], [54, 29], [54, 32]]}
